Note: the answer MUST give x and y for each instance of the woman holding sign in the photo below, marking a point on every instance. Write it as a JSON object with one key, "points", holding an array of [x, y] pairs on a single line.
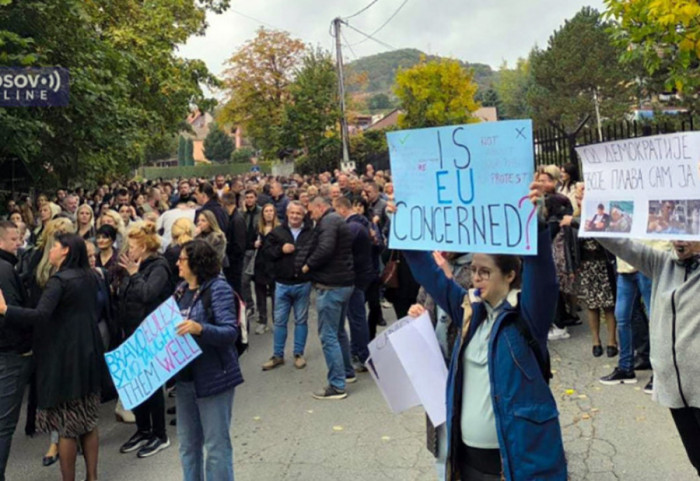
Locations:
{"points": [[205, 387], [502, 420], [147, 284], [67, 348]]}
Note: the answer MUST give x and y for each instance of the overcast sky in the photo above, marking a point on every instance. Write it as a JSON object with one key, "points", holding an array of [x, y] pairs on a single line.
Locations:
{"points": [[487, 32]]}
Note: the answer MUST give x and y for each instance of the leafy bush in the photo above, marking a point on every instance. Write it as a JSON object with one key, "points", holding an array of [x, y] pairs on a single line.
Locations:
{"points": [[241, 155]]}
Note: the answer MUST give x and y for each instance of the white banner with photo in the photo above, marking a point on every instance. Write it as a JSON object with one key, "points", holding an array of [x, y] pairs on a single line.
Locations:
{"points": [[643, 188]]}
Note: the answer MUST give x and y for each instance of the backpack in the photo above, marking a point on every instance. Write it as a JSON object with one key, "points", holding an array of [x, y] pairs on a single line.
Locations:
{"points": [[243, 322]]}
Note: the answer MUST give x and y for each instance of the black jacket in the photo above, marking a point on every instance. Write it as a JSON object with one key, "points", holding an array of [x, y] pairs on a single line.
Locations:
{"points": [[235, 237], [13, 338], [330, 258], [142, 293], [361, 251], [218, 211], [67, 344], [287, 267], [251, 218], [263, 265]]}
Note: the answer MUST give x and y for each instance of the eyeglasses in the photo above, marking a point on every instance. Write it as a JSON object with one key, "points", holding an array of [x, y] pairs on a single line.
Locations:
{"points": [[182, 258], [483, 273]]}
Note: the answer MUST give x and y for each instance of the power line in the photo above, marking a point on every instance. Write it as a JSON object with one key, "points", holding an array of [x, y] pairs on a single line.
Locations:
{"points": [[347, 44], [257, 20], [362, 10], [369, 37], [383, 25]]}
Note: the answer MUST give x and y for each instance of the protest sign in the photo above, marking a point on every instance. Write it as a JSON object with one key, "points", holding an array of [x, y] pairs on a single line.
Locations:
{"points": [[464, 188], [407, 364], [644, 188], [151, 355]]}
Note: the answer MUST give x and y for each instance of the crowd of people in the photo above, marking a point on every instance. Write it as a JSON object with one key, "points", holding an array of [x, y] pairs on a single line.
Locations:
{"points": [[80, 270]]}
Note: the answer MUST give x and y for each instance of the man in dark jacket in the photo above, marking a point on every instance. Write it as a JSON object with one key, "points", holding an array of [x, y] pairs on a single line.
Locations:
{"points": [[207, 198], [251, 215], [364, 275], [15, 343], [279, 200], [330, 266], [292, 289], [235, 241]]}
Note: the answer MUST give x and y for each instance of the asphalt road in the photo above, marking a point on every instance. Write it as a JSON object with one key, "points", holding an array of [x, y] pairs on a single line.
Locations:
{"points": [[281, 433]]}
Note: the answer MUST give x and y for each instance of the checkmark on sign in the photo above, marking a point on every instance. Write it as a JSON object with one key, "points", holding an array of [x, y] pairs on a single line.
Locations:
{"points": [[403, 141]]}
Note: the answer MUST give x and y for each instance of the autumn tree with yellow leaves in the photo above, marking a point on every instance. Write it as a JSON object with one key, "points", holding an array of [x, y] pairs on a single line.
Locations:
{"points": [[435, 93], [665, 36]]}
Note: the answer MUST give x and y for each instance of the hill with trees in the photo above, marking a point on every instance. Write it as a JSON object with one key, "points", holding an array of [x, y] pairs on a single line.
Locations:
{"points": [[376, 74]]}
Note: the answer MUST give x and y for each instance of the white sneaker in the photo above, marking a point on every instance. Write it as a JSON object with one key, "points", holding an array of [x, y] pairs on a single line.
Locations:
{"points": [[261, 329], [556, 334], [386, 304]]}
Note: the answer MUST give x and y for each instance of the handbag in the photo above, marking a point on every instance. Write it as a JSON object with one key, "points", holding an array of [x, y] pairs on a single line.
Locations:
{"points": [[250, 268], [390, 274]]}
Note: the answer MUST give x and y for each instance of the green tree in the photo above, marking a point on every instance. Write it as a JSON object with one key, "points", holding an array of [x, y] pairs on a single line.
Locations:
{"points": [[512, 88], [379, 101], [129, 89], [217, 145], [435, 93], [581, 63], [181, 151], [664, 37], [257, 83], [313, 112], [189, 152], [242, 155]]}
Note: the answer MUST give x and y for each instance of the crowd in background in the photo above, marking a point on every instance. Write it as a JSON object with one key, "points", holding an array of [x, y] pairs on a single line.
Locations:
{"points": [[268, 242]]}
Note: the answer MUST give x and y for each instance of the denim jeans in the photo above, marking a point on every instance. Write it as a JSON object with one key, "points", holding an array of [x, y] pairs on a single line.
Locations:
{"points": [[629, 286], [203, 426], [359, 329], [331, 305], [288, 297], [14, 376]]}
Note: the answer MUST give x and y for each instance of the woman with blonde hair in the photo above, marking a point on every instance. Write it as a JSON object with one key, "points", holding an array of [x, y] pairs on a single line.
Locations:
{"points": [[85, 222], [208, 229], [182, 232], [47, 211], [147, 284]]}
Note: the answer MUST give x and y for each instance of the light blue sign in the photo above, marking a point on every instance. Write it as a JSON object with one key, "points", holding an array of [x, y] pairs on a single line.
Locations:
{"points": [[464, 188], [153, 354]]}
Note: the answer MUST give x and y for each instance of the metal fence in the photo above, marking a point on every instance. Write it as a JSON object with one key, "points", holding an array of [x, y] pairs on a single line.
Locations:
{"points": [[552, 146]]}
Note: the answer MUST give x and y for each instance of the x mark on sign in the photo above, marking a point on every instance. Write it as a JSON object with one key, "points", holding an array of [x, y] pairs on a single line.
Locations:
{"points": [[520, 133]]}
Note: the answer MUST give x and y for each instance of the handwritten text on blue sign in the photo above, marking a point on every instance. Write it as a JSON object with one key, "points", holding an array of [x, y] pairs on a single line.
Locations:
{"points": [[464, 188], [153, 354]]}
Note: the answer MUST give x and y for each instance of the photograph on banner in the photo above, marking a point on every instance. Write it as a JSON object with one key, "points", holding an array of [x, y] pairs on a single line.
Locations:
{"points": [[151, 356], [613, 216], [674, 216], [464, 188], [642, 188]]}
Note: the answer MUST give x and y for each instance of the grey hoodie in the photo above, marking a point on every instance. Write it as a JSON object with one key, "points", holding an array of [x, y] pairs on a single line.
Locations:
{"points": [[674, 330]]}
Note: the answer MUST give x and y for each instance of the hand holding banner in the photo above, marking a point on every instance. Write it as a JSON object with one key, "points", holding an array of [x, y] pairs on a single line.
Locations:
{"points": [[464, 188]]}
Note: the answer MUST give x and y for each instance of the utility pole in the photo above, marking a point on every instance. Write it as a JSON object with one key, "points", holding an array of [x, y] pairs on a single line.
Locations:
{"points": [[341, 89]]}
